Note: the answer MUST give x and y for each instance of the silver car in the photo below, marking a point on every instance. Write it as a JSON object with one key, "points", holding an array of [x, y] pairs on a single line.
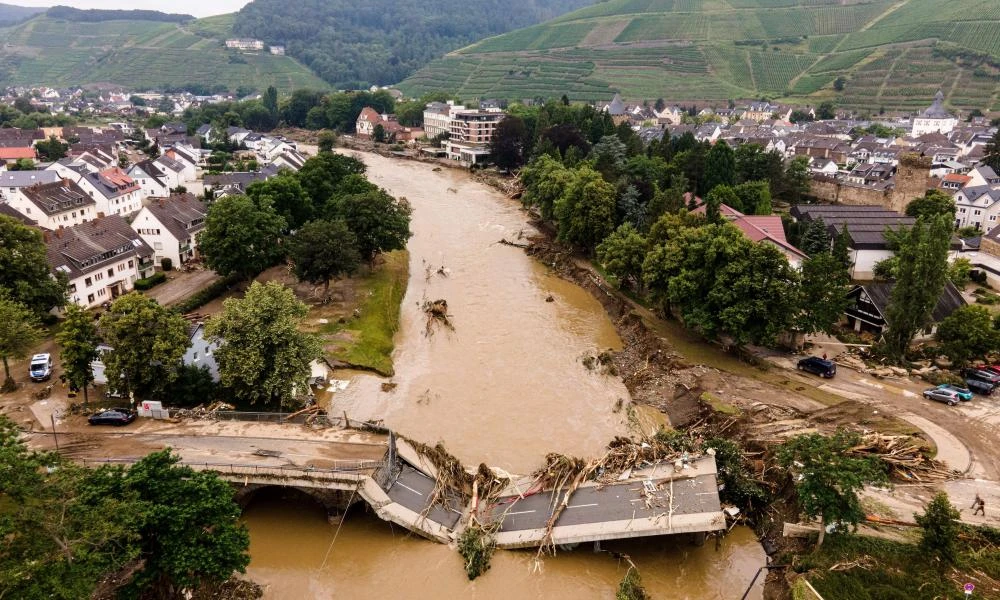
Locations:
{"points": [[949, 397]]}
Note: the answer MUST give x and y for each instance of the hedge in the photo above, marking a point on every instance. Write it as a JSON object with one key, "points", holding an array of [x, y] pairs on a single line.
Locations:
{"points": [[152, 281], [206, 295]]}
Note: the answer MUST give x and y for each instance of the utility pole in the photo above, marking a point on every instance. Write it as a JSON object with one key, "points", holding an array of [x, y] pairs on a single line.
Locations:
{"points": [[55, 434]]}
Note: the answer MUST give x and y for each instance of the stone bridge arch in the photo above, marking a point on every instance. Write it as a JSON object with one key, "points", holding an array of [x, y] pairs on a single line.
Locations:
{"points": [[336, 502]]}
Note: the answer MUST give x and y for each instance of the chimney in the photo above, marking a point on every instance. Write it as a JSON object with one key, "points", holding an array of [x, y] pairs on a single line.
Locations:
{"points": [[59, 232]]}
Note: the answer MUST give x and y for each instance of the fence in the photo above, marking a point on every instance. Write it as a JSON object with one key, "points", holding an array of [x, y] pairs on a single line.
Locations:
{"points": [[281, 418], [340, 467]]}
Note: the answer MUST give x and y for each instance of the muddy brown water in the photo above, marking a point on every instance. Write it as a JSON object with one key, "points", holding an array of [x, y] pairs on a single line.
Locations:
{"points": [[505, 387]]}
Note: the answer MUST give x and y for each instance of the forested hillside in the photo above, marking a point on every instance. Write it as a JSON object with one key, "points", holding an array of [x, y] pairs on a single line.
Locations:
{"points": [[354, 44], [865, 54]]}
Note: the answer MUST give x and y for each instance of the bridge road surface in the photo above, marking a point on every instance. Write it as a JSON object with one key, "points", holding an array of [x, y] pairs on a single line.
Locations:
{"points": [[617, 502], [413, 490]]}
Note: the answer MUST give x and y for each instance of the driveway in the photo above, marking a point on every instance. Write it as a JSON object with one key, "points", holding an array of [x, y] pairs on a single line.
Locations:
{"points": [[181, 286]]}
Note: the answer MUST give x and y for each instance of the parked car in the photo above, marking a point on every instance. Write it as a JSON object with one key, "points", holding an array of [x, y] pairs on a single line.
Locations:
{"points": [[114, 416], [983, 375], [983, 388], [818, 366], [963, 393], [938, 395], [40, 368]]}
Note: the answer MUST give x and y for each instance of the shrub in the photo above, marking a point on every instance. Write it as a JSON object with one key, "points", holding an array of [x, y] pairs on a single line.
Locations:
{"points": [[207, 295], [152, 281], [940, 528], [941, 377], [167, 264], [978, 276]]}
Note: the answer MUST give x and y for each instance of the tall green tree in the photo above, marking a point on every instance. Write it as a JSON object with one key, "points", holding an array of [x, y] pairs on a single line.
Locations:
{"points": [[263, 357], [271, 101], [922, 251], [940, 528], [51, 149], [147, 341], [585, 213], [78, 342], [321, 175], [380, 222], [241, 237], [622, 254], [823, 293], [286, 196], [323, 250], [968, 333], [545, 180], [19, 332], [815, 238], [510, 143], [932, 204], [721, 194], [609, 155], [24, 268], [842, 248], [828, 477], [720, 166], [797, 182]]}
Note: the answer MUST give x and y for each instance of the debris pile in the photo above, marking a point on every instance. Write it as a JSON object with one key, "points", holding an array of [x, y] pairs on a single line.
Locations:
{"points": [[905, 457], [437, 312], [476, 545]]}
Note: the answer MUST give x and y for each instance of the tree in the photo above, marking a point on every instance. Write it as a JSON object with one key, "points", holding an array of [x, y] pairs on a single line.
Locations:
{"points": [[585, 213], [609, 156], [190, 529], [380, 222], [823, 293], [931, 204], [545, 180], [19, 332], [78, 341], [755, 197], [147, 341], [321, 175], [323, 250], [509, 144], [286, 196], [720, 166], [51, 149], [828, 477], [940, 528], [660, 105], [721, 194], [960, 272], [271, 101], [826, 111], [241, 237], [263, 357], [923, 268], [992, 156], [622, 254], [327, 140], [61, 535], [24, 268], [630, 208], [842, 248], [797, 181], [839, 84], [815, 238], [968, 333]]}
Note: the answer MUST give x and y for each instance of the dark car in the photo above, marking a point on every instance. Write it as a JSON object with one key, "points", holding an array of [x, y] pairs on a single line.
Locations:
{"points": [[818, 366], [114, 416], [983, 388], [983, 375]]}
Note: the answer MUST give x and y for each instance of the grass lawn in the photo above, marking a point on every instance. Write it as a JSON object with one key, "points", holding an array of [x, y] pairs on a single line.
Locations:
{"points": [[369, 335], [850, 567]]}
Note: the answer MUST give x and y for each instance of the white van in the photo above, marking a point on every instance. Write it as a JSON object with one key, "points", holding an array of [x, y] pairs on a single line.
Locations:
{"points": [[41, 367]]}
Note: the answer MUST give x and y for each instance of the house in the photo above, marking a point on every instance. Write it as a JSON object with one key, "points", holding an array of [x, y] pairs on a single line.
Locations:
{"points": [[201, 352], [935, 119], [174, 171], [55, 205], [869, 304], [977, 206], [150, 178], [170, 226], [7, 211], [437, 117], [290, 159], [235, 183], [12, 182], [114, 191], [866, 226], [187, 156], [471, 132], [824, 166], [245, 44], [11, 154], [367, 120], [760, 111], [102, 259], [763, 229]]}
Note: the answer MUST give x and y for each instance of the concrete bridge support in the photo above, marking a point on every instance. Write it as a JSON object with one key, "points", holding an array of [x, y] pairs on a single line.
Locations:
{"points": [[336, 502]]}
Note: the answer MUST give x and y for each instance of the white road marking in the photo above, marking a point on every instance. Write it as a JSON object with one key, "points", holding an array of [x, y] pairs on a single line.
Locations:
{"points": [[400, 483], [521, 512], [582, 505]]}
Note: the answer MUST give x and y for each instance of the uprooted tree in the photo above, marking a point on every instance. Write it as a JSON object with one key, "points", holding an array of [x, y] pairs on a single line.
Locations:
{"points": [[828, 477]]}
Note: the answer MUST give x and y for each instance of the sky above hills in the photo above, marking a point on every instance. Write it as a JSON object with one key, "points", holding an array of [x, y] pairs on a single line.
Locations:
{"points": [[198, 8]]}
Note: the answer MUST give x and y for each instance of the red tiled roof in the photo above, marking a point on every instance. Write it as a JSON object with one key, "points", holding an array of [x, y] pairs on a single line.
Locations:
{"points": [[369, 114], [16, 153], [758, 228], [963, 179]]}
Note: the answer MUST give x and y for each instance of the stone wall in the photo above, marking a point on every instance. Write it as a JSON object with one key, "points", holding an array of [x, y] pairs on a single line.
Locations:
{"points": [[911, 181]]}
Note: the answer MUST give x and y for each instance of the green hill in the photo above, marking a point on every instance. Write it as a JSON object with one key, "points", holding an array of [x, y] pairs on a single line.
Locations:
{"points": [[139, 54], [892, 53], [10, 13]]}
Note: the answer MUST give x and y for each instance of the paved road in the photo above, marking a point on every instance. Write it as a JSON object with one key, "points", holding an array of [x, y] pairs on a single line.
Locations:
{"points": [[182, 286], [613, 503], [413, 489]]}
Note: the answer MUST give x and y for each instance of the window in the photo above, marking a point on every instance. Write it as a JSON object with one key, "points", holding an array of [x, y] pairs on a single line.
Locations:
{"points": [[111, 273], [195, 356], [90, 298], [977, 212], [130, 265], [87, 282], [157, 245]]}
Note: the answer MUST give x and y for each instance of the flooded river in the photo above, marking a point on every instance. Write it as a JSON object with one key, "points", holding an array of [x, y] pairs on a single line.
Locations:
{"points": [[505, 387]]}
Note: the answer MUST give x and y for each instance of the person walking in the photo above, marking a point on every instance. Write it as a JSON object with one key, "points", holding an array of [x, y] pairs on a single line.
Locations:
{"points": [[979, 505]]}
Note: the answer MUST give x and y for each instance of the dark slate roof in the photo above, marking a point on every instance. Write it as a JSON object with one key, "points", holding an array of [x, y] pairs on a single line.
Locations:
{"points": [[182, 214], [241, 180], [949, 301], [616, 107], [936, 110], [53, 198], [91, 246], [19, 179], [865, 224]]}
